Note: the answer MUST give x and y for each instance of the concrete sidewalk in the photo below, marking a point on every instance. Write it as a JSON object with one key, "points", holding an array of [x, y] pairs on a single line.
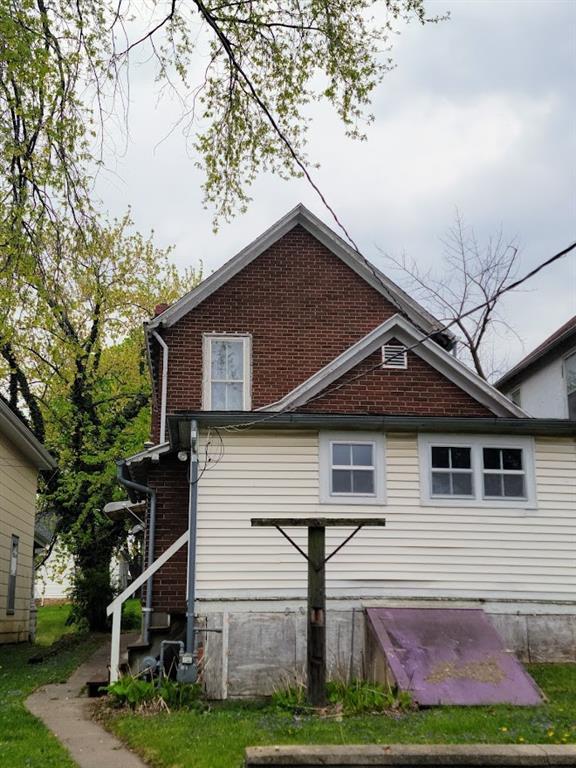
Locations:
{"points": [[66, 711]]}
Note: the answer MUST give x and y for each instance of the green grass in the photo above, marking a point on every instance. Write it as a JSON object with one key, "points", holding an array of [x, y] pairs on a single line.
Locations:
{"points": [[24, 741], [218, 738]]}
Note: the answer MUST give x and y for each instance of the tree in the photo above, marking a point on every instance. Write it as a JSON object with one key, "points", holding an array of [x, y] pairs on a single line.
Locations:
{"points": [[64, 70], [72, 354], [472, 275]]}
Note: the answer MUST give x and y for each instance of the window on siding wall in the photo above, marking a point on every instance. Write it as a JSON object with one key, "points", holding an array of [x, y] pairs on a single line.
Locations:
{"points": [[351, 468], [570, 373], [11, 604], [227, 373], [477, 471]]}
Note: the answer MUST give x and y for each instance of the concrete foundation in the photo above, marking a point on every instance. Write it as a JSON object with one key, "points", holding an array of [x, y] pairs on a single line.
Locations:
{"points": [[260, 648]]}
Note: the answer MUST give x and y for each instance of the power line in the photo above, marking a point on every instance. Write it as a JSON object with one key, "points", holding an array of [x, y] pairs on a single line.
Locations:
{"points": [[428, 336]]}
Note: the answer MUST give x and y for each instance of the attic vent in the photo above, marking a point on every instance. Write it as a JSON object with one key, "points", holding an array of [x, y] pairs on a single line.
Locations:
{"points": [[394, 356]]}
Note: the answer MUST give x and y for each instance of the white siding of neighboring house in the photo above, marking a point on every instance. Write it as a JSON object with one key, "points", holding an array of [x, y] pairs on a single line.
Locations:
{"points": [[543, 394], [424, 551], [17, 512]]}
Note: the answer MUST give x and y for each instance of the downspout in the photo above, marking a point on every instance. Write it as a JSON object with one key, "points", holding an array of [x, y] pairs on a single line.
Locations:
{"points": [[192, 526], [151, 493], [164, 385]]}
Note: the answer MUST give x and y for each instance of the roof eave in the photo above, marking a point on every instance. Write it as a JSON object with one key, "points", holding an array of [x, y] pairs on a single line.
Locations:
{"points": [[24, 439], [300, 215], [179, 431]]}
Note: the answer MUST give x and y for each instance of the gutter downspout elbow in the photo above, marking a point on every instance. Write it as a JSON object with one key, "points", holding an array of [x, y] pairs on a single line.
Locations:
{"points": [[151, 493], [164, 386]]}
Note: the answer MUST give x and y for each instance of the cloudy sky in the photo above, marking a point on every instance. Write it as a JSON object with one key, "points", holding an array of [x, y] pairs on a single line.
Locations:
{"points": [[479, 114]]}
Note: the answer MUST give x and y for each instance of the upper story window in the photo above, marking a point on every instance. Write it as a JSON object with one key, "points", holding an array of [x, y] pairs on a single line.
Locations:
{"points": [[227, 373], [352, 468], [477, 471], [570, 373], [516, 398]]}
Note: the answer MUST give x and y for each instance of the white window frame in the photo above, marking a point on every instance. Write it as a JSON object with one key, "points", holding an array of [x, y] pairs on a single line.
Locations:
{"points": [[476, 443], [565, 359], [377, 440], [207, 340]]}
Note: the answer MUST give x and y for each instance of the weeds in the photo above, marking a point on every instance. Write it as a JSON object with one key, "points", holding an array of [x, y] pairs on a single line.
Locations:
{"points": [[354, 698], [143, 695]]}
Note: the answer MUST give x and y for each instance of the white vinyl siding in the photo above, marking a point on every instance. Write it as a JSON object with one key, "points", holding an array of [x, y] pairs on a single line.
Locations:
{"points": [[17, 513], [452, 551]]}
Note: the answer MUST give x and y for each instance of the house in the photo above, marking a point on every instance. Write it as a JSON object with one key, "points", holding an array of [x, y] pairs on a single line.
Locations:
{"points": [[299, 381], [22, 456], [544, 382]]}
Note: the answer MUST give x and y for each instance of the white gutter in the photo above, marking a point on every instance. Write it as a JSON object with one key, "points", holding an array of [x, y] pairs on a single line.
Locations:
{"points": [[164, 386]]}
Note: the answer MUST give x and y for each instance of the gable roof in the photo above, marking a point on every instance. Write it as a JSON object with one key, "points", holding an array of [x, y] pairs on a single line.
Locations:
{"points": [[301, 216], [23, 438], [397, 327], [559, 342]]}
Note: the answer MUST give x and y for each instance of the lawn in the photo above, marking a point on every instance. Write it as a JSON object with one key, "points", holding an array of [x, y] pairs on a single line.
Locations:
{"points": [[24, 741], [218, 737]]}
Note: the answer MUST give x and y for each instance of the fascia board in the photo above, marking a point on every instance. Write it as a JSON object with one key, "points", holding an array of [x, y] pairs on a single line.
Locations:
{"points": [[335, 369], [155, 450], [398, 327], [302, 216], [26, 442]]}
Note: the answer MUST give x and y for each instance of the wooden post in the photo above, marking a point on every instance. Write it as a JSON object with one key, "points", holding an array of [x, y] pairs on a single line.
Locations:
{"points": [[316, 557], [316, 652]]}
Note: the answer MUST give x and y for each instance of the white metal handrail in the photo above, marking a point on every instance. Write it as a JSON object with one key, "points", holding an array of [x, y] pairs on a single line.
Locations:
{"points": [[115, 607]]}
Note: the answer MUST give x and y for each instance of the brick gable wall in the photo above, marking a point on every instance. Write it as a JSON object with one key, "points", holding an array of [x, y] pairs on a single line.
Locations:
{"points": [[419, 390], [303, 307]]}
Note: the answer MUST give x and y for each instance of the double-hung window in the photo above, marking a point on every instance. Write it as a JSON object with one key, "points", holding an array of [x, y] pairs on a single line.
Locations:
{"points": [[227, 373], [352, 468], [477, 471], [570, 373]]}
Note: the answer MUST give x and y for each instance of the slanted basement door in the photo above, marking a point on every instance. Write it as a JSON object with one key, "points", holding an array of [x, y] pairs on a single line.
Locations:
{"points": [[449, 656]]}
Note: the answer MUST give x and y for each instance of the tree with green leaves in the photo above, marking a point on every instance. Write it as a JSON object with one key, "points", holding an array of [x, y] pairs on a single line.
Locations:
{"points": [[73, 358], [246, 73]]}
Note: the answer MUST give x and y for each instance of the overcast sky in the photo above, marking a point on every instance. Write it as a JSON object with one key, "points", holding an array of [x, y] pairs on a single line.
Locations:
{"points": [[480, 114]]}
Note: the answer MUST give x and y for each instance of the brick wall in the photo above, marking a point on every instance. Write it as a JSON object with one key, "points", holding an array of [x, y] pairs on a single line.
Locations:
{"points": [[169, 479], [303, 307], [417, 390]]}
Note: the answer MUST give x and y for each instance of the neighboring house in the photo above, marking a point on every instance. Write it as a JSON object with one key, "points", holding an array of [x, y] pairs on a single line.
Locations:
{"points": [[22, 456], [319, 388], [544, 382]]}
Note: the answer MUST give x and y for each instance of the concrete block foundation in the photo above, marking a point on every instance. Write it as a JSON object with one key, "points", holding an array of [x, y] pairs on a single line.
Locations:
{"points": [[259, 648]]}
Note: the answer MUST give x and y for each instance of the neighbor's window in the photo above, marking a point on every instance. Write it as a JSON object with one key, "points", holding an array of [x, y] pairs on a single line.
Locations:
{"points": [[352, 468], [570, 372], [227, 373], [515, 397], [477, 470], [11, 604]]}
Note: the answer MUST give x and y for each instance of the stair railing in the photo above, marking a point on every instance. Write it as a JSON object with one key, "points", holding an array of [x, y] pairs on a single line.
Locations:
{"points": [[115, 607]]}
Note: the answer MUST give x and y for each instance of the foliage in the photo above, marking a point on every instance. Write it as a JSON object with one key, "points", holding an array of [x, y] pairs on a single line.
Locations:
{"points": [[64, 75], [71, 351], [354, 698], [138, 694], [221, 737], [131, 615], [24, 741]]}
